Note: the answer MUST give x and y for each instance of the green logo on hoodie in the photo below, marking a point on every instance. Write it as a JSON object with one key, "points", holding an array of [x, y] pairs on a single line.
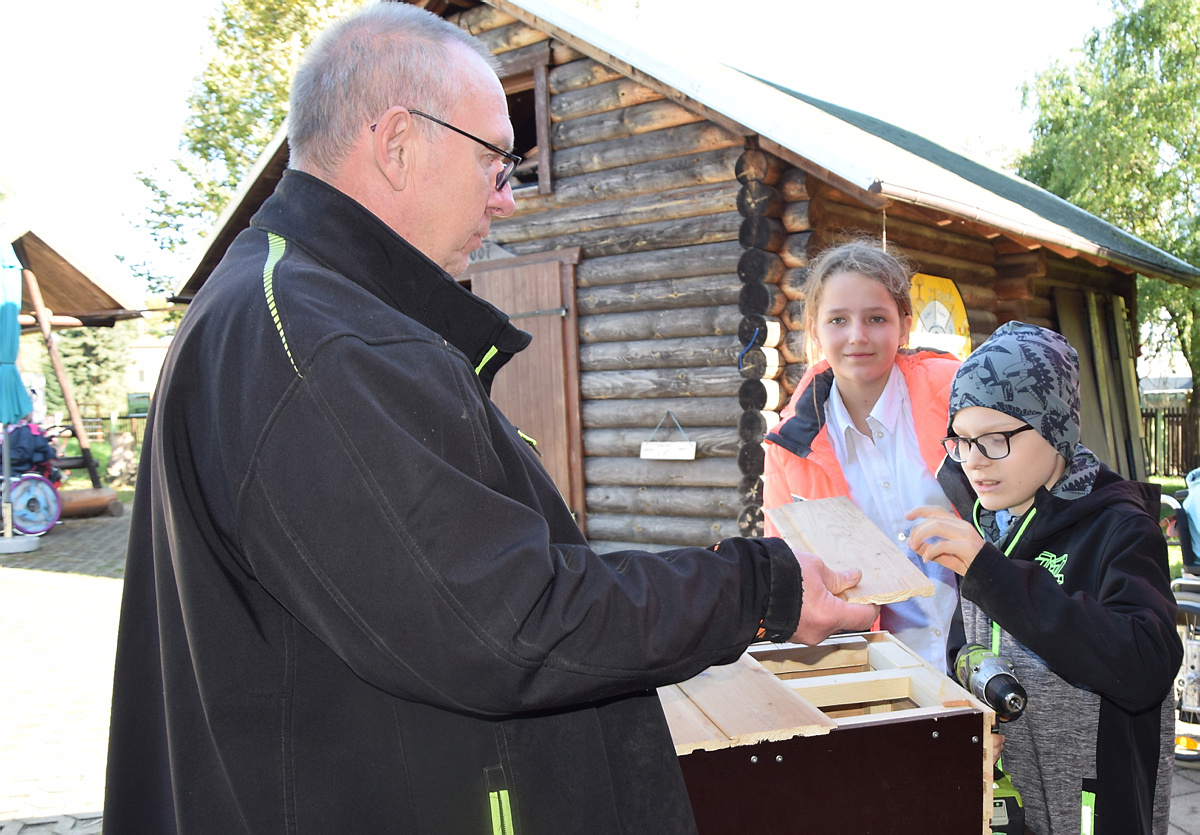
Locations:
{"points": [[1052, 563]]}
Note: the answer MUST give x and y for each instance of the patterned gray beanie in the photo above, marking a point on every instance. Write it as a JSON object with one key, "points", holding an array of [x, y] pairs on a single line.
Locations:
{"points": [[1030, 373]]}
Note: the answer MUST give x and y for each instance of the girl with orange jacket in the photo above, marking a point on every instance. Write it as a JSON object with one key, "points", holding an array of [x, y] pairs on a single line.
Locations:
{"points": [[866, 421]]}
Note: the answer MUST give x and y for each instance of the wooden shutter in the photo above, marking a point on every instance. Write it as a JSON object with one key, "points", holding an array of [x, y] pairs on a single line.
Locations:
{"points": [[539, 389]]}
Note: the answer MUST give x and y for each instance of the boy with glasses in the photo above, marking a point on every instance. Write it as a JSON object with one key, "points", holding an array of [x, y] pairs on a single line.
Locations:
{"points": [[1064, 573]]}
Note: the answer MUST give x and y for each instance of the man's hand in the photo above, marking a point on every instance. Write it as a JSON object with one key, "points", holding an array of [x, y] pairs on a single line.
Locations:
{"points": [[822, 613], [943, 538]]}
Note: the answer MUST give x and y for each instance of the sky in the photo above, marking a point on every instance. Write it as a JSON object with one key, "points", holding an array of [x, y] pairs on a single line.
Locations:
{"points": [[91, 94]]}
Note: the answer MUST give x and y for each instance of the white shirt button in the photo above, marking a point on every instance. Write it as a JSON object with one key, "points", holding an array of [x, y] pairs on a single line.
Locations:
{"points": [[902, 536], [887, 485], [878, 434]]}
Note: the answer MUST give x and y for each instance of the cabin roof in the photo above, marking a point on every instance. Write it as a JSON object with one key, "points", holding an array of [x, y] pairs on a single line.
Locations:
{"points": [[874, 158], [875, 161]]}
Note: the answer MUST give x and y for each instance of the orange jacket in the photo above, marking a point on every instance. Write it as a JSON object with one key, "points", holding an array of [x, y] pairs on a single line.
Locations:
{"points": [[800, 459]]}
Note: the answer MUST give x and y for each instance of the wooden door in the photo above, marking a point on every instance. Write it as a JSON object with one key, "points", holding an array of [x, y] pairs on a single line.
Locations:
{"points": [[539, 389]]}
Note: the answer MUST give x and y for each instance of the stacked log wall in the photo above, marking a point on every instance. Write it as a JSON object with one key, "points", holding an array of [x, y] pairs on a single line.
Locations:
{"points": [[647, 190], [775, 236]]}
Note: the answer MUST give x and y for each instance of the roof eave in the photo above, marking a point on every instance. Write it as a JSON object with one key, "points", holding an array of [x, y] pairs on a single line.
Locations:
{"points": [[1042, 234]]}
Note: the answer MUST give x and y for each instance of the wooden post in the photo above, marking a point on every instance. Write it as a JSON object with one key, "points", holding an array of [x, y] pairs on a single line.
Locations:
{"points": [[43, 318], [541, 106]]}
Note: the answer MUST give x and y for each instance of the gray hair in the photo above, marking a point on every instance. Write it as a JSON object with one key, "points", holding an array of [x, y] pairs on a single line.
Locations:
{"points": [[384, 54]]}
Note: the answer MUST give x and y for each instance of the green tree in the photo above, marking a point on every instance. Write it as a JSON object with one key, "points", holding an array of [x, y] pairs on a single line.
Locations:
{"points": [[1119, 135], [94, 360], [239, 102]]}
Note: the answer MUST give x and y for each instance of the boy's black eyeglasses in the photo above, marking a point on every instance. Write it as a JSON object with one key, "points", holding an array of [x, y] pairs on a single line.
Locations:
{"points": [[993, 445], [511, 160]]}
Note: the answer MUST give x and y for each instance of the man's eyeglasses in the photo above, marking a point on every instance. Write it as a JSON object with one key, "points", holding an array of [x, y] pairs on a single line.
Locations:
{"points": [[511, 160], [993, 445]]}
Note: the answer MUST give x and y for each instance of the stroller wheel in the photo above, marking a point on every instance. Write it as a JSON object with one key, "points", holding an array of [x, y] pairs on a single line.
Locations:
{"points": [[35, 504]]}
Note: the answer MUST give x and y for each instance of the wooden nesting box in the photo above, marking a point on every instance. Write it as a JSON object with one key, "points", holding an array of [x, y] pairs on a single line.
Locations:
{"points": [[855, 735]]}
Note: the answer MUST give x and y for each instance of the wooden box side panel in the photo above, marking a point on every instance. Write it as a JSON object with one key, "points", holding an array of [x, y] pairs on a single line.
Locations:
{"points": [[916, 776]]}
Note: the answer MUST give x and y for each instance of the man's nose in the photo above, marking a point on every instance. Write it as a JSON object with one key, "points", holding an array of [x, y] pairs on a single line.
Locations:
{"points": [[501, 203]]}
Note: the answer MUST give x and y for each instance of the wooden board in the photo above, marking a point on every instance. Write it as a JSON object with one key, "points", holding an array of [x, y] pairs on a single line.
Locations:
{"points": [[836, 653], [841, 535], [737, 704]]}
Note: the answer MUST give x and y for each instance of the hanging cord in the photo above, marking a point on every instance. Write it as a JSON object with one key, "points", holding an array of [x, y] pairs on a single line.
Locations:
{"points": [[883, 212], [749, 345], [674, 420]]}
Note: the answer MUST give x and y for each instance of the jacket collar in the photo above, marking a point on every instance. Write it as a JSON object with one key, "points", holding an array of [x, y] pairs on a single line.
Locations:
{"points": [[797, 434], [344, 236]]}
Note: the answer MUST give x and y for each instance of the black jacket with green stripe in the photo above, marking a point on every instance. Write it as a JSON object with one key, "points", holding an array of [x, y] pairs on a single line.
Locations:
{"points": [[1079, 591], [355, 601]]}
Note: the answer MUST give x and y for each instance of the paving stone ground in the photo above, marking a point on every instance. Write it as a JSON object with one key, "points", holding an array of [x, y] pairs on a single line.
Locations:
{"points": [[58, 629], [58, 626]]}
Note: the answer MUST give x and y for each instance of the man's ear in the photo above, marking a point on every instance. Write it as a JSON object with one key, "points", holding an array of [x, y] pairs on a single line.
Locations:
{"points": [[392, 144]]}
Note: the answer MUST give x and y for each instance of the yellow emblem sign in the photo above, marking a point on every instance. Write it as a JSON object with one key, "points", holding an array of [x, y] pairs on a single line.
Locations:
{"points": [[939, 316]]}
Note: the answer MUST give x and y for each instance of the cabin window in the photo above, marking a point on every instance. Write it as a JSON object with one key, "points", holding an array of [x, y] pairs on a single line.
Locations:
{"points": [[526, 84], [523, 112]]}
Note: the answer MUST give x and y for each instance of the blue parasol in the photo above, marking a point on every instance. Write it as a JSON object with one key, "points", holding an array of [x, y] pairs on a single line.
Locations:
{"points": [[14, 399]]}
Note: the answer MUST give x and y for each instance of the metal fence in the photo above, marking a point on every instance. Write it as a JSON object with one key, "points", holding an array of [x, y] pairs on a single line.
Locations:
{"points": [[1162, 432], [99, 428]]}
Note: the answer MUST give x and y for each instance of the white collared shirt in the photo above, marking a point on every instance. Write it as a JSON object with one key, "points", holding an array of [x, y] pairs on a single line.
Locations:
{"points": [[887, 478]]}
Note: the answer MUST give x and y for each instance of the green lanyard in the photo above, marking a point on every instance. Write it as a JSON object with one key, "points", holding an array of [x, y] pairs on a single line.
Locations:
{"points": [[1008, 549]]}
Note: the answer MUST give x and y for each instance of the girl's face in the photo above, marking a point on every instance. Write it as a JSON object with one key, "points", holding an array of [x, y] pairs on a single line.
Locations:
{"points": [[1009, 483], [858, 328]]}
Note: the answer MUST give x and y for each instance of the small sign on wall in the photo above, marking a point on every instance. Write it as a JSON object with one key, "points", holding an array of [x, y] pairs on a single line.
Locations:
{"points": [[684, 450]]}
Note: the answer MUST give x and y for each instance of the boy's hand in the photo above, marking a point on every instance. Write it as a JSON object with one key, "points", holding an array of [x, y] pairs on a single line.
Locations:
{"points": [[943, 538]]}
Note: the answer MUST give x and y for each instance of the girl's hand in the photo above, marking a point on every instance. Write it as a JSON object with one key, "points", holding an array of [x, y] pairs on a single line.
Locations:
{"points": [[943, 538]]}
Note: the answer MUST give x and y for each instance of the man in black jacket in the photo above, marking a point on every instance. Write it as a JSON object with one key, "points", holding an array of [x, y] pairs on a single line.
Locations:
{"points": [[354, 600]]}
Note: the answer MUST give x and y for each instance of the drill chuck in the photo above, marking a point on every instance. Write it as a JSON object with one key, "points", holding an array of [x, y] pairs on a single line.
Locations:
{"points": [[1005, 695], [992, 680]]}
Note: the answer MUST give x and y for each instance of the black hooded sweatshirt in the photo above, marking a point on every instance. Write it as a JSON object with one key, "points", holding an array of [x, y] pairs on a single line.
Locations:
{"points": [[1078, 597]]}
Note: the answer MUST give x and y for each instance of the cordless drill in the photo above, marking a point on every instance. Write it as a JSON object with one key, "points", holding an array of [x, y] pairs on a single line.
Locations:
{"points": [[992, 680]]}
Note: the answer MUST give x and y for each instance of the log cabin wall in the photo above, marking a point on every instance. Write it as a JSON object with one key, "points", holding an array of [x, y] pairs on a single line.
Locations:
{"points": [[647, 190]]}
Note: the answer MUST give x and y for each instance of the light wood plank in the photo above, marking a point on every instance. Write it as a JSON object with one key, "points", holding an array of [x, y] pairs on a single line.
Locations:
{"points": [[901, 715], [855, 688], [751, 705], [886, 655], [691, 730], [831, 654], [841, 535]]}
